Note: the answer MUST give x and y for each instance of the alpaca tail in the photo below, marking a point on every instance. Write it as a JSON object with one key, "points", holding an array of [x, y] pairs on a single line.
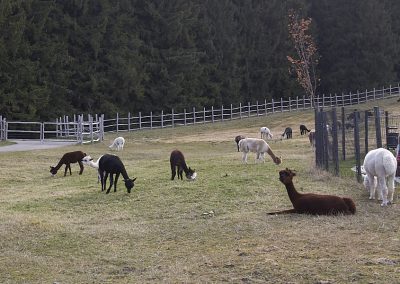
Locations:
{"points": [[350, 204]]}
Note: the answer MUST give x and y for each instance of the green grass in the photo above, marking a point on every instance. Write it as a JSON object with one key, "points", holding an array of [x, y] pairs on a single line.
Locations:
{"points": [[215, 229]]}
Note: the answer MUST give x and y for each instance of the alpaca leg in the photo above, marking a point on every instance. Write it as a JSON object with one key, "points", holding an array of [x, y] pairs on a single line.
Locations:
{"points": [[381, 186], [370, 186], [104, 182], [173, 172], [81, 166], [111, 183], [115, 182], [244, 158], [390, 185], [180, 171]]}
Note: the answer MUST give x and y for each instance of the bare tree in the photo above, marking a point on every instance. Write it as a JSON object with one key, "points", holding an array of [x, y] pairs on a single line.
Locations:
{"points": [[307, 59]]}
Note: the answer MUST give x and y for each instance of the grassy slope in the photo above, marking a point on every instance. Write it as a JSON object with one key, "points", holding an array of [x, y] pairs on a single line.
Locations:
{"points": [[65, 230]]}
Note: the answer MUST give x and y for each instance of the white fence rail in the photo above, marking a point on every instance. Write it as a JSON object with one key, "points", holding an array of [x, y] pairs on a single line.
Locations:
{"points": [[93, 129]]}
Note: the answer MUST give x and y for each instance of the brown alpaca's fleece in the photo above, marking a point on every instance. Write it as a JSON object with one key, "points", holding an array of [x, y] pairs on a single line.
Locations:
{"points": [[311, 203]]}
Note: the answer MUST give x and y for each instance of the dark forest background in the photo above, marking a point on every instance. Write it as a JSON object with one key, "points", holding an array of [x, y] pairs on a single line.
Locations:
{"points": [[106, 56]]}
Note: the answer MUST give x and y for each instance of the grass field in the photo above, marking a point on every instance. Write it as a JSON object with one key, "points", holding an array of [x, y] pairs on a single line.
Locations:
{"points": [[215, 229]]}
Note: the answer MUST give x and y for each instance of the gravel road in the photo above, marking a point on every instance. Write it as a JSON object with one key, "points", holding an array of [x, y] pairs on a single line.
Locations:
{"points": [[27, 145]]}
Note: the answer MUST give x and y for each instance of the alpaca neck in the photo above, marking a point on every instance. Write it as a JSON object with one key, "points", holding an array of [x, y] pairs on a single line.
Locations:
{"points": [[292, 192], [124, 174], [185, 168], [95, 164], [272, 155], [60, 163]]}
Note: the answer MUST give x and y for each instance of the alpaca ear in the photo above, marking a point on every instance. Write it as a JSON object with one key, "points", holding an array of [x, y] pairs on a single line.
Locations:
{"points": [[134, 179]]}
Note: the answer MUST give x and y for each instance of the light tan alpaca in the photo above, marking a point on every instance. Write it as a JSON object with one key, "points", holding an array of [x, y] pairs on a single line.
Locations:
{"points": [[258, 146]]}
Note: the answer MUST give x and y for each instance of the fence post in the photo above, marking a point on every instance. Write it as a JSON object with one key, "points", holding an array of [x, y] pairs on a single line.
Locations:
{"points": [[184, 116], [281, 105], [231, 111], [42, 132], [194, 116], [265, 107], [151, 120], [212, 114], [129, 122], [249, 114], [257, 107], [366, 131], [117, 122], [204, 115], [172, 118], [290, 105], [162, 119], [374, 94], [222, 113], [335, 144], [140, 120], [378, 127], [240, 110], [273, 105], [91, 128], [357, 145], [343, 135], [358, 97], [102, 127]]}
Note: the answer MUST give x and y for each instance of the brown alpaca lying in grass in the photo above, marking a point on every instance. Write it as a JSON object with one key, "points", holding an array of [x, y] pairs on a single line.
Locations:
{"points": [[310, 203]]}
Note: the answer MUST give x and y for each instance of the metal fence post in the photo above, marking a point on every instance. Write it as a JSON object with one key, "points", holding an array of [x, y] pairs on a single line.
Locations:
{"points": [[378, 127]]}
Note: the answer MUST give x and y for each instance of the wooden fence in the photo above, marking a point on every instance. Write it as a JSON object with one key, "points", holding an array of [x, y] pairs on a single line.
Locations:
{"points": [[93, 129]]}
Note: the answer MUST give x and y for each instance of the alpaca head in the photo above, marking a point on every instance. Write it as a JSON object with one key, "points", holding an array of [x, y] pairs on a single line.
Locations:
{"points": [[277, 160], [53, 171], [129, 184], [191, 174], [86, 160], [286, 176]]}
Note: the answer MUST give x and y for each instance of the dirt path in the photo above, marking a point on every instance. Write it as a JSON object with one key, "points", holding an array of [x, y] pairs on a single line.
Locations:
{"points": [[27, 145]]}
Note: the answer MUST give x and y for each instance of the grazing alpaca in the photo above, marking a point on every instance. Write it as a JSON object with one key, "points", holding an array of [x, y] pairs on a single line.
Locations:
{"points": [[265, 133], [311, 137], [303, 129], [118, 143], [110, 165], [380, 163], [177, 161], [288, 133], [258, 146], [237, 139], [68, 159], [310, 203]]}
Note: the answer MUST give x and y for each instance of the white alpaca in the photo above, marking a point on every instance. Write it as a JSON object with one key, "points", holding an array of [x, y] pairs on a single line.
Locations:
{"points": [[258, 146], [87, 160], [265, 133], [380, 163], [118, 143]]}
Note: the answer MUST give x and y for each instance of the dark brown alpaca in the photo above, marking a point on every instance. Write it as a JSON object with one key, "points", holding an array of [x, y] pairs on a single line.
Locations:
{"points": [[310, 203], [68, 159], [237, 139], [177, 161]]}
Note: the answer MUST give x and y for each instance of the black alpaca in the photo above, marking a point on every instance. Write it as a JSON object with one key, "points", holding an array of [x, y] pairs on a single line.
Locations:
{"points": [[310, 203], [303, 129], [111, 164], [288, 133], [177, 161], [237, 139], [68, 159]]}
